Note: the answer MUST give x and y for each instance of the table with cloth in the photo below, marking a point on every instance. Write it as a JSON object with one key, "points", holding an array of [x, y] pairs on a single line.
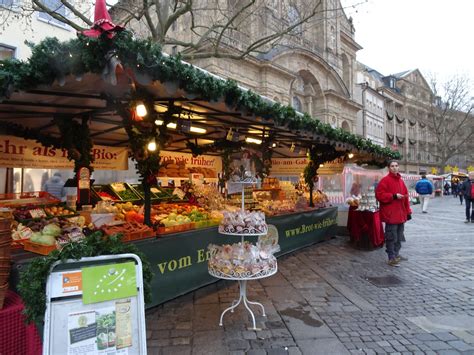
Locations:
{"points": [[365, 229], [17, 337]]}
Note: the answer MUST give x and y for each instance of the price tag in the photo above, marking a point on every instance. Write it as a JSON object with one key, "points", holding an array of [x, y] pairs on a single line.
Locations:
{"points": [[37, 213], [180, 193], [119, 187]]}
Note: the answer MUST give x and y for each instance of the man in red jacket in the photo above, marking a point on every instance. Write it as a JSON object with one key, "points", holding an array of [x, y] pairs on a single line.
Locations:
{"points": [[392, 194]]}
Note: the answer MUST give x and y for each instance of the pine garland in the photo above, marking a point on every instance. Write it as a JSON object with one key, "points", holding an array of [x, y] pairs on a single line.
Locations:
{"points": [[53, 60]]}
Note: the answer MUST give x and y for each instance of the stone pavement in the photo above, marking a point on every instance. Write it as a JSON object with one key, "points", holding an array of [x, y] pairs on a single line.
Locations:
{"points": [[333, 299]]}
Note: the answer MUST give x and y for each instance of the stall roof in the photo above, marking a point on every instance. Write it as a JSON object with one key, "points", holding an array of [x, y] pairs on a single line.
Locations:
{"points": [[177, 89]]}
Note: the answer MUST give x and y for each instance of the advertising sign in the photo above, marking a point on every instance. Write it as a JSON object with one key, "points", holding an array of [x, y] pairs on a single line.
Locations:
{"points": [[95, 306], [22, 153], [184, 164], [295, 166]]}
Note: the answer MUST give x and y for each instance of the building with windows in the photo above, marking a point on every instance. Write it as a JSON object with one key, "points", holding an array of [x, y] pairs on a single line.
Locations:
{"points": [[312, 68], [371, 119], [17, 27], [407, 103]]}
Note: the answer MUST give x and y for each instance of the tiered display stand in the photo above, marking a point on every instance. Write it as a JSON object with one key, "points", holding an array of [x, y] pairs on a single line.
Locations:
{"points": [[243, 277]]}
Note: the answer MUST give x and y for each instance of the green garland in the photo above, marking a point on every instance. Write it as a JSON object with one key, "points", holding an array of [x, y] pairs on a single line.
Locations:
{"points": [[53, 60], [32, 285]]}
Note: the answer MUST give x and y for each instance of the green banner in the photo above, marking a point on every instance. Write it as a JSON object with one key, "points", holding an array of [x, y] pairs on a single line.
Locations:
{"points": [[108, 282], [179, 261]]}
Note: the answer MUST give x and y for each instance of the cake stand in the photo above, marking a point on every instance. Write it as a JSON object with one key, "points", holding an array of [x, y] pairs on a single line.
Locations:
{"points": [[242, 278]]}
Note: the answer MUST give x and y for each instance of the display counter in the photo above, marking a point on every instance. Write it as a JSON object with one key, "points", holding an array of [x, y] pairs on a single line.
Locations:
{"points": [[179, 261]]}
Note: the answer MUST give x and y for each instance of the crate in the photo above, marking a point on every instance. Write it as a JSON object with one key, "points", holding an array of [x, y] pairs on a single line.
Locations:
{"points": [[176, 229], [131, 191], [105, 188], [38, 248], [138, 189], [36, 198]]}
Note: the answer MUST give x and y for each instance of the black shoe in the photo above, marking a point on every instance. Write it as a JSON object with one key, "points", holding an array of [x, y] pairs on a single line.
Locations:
{"points": [[467, 221]]}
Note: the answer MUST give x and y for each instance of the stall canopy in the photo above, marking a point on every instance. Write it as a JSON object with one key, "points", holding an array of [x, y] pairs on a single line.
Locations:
{"points": [[96, 80]]}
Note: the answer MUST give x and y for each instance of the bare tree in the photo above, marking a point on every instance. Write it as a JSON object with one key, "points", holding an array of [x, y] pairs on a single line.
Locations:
{"points": [[450, 122], [204, 28]]}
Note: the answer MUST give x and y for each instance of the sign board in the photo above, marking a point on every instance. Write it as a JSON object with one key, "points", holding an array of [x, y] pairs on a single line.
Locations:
{"points": [[296, 166], [22, 153], [183, 164], [288, 166], [95, 306]]}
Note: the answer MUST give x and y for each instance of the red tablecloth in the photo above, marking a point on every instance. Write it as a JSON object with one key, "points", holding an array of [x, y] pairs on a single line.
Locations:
{"points": [[15, 336], [365, 223]]}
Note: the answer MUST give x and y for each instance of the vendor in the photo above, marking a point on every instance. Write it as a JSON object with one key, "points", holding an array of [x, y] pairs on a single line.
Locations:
{"points": [[55, 186]]}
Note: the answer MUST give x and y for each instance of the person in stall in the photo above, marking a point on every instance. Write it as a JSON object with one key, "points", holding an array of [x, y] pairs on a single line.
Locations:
{"points": [[55, 186], [395, 210]]}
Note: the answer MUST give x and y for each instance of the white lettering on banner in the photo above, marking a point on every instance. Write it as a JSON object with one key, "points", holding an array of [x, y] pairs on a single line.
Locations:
{"points": [[22, 153]]}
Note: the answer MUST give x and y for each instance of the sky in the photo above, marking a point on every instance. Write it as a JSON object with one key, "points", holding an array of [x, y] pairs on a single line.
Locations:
{"points": [[435, 36]]}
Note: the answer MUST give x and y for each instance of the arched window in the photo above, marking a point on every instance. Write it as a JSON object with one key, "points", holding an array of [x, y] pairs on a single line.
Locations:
{"points": [[345, 126], [296, 103]]}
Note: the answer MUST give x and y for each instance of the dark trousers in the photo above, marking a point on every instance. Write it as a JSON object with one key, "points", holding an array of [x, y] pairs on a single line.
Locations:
{"points": [[393, 239], [469, 213]]}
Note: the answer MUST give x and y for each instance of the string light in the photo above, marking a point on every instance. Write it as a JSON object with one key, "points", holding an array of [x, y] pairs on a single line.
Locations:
{"points": [[140, 109], [151, 145], [253, 140]]}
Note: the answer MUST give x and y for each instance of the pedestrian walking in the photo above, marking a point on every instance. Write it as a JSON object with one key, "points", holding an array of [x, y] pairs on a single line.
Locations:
{"points": [[395, 210], [424, 188], [446, 188], [467, 189], [454, 188]]}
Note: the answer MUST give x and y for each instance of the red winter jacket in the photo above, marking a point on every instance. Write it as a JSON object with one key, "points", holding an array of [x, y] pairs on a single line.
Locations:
{"points": [[392, 210]]}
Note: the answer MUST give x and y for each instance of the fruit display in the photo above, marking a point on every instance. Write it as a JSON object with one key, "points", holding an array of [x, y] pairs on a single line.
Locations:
{"points": [[28, 212], [50, 233], [243, 222], [122, 210], [56, 211], [130, 230]]}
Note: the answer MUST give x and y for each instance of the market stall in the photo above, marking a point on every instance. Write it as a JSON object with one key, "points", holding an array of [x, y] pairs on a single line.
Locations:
{"points": [[190, 136]]}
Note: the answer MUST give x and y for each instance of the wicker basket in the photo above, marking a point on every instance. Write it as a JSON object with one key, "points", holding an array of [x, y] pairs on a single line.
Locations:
{"points": [[3, 292]]}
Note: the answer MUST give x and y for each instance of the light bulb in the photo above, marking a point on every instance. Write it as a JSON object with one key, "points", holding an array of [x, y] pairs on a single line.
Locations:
{"points": [[171, 125], [140, 109], [151, 145], [198, 130], [253, 140], [159, 122], [351, 155], [321, 165]]}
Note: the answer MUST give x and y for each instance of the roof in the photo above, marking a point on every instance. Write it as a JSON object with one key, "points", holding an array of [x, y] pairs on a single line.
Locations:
{"points": [[403, 73]]}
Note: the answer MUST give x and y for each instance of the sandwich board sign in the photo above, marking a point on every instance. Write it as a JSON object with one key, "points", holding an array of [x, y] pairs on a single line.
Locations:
{"points": [[95, 306]]}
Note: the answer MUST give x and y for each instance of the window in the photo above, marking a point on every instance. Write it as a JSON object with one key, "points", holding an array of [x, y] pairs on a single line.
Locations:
{"points": [[297, 105], [55, 6], [6, 52]]}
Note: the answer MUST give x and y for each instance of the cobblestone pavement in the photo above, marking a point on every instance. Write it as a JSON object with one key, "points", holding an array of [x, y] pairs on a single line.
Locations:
{"points": [[333, 299]]}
